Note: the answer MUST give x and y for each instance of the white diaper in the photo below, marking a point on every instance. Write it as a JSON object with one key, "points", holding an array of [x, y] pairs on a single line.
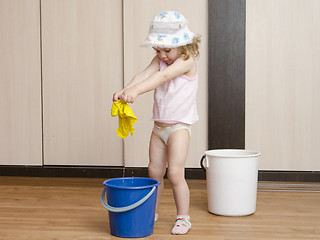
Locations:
{"points": [[165, 132]]}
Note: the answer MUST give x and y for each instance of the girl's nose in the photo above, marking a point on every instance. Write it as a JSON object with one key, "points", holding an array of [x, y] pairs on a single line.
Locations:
{"points": [[162, 54]]}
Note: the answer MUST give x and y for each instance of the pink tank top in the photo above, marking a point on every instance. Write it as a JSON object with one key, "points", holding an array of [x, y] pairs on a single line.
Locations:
{"points": [[175, 100]]}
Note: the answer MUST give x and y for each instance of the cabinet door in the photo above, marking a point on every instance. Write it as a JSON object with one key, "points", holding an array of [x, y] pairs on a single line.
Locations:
{"points": [[20, 83], [282, 83], [82, 67], [137, 17]]}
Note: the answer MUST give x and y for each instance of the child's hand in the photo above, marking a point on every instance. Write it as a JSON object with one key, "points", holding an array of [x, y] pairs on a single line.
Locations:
{"points": [[117, 96], [129, 95]]}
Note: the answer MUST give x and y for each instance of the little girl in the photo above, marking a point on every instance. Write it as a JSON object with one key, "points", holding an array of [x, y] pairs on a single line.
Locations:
{"points": [[173, 74]]}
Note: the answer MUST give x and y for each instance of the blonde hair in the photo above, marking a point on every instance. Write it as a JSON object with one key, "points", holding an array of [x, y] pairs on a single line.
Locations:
{"points": [[190, 49]]}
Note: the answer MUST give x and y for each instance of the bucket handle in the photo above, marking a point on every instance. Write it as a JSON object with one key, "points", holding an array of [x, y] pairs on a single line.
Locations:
{"points": [[201, 162], [127, 208]]}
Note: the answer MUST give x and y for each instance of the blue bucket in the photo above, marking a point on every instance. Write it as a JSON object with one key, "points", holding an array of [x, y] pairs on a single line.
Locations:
{"points": [[131, 205]]}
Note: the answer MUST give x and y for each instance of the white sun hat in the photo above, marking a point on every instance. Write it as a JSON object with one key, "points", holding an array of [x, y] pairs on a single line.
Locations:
{"points": [[168, 30]]}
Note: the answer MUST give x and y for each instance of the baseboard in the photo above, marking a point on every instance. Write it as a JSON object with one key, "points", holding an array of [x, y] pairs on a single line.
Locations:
{"points": [[72, 171], [112, 172], [87, 171], [289, 176]]}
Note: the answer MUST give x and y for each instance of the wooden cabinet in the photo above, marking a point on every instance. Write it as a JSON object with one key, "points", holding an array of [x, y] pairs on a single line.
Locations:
{"points": [[20, 83], [63, 60], [282, 83], [82, 67]]}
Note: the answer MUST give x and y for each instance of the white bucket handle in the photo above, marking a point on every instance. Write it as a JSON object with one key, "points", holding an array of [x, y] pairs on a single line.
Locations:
{"points": [[201, 162], [127, 208]]}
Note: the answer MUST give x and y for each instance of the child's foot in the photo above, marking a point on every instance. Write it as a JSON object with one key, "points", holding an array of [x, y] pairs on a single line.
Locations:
{"points": [[156, 217], [182, 225]]}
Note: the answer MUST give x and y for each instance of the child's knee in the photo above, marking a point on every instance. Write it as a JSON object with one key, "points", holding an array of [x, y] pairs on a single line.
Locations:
{"points": [[155, 172], [175, 176], [151, 169]]}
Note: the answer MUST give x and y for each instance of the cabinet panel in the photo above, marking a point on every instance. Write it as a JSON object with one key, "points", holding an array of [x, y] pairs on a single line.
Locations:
{"points": [[282, 83], [137, 17], [20, 83], [82, 67]]}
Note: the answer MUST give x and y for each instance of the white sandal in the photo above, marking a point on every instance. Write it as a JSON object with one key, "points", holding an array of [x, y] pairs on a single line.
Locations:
{"points": [[181, 226]]}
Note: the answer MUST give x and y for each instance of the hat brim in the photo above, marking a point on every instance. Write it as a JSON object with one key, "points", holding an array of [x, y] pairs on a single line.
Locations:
{"points": [[168, 41]]}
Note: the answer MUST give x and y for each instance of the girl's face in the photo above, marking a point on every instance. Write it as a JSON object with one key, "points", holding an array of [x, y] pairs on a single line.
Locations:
{"points": [[168, 55]]}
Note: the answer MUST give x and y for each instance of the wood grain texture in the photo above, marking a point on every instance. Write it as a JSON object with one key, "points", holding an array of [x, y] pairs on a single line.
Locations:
{"points": [[82, 68], [282, 83], [20, 83], [70, 208], [226, 81]]}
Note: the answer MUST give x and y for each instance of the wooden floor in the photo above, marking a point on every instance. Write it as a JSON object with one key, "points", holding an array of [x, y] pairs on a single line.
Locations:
{"points": [[70, 208]]}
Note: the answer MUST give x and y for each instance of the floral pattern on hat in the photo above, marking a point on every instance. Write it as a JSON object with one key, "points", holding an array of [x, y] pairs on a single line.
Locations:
{"points": [[177, 15], [169, 29], [163, 15], [161, 37], [175, 40]]}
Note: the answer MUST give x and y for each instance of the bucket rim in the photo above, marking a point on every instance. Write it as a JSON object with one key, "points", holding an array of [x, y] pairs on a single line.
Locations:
{"points": [[245, 153], [108, 183]]}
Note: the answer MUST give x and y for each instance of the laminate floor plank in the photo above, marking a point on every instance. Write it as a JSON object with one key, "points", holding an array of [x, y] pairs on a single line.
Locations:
{"points": [[70, 208]]}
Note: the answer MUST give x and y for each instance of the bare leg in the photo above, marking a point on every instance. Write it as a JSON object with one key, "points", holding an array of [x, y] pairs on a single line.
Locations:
{"points": [[178, 146], [157, 163]]}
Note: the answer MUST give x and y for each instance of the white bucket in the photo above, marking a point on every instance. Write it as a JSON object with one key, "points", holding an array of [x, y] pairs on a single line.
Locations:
{"points": [[232, 176]]}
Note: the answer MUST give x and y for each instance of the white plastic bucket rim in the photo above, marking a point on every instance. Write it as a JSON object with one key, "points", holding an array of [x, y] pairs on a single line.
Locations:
{"points": [[234, 153], [230, 154]]}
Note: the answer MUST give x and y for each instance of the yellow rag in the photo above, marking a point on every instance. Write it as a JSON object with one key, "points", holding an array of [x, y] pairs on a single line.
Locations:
{"points": [[126, 118]]}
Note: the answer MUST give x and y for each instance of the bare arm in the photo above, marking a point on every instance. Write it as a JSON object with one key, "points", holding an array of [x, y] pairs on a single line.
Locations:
{"points": [[178, 68], [151, 69]]}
